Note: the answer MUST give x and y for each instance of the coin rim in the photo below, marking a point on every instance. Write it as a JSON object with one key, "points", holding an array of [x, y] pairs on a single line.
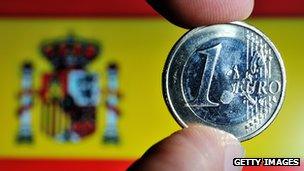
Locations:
{"points": [[165, 88]]}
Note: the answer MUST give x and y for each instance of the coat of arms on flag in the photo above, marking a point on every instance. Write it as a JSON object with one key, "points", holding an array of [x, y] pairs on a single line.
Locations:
{"points": [[69, 93]]}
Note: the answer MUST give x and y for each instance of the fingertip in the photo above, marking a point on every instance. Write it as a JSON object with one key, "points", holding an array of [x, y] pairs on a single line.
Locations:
{"points": [[216, 145], [193, 148], [195, 13]]}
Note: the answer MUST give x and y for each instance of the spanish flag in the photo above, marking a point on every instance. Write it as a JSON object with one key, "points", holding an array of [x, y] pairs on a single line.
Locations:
{"points": [[81, 83]]}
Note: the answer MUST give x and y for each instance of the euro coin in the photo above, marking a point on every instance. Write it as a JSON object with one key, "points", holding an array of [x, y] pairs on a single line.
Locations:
{"points": [[228, 76]]}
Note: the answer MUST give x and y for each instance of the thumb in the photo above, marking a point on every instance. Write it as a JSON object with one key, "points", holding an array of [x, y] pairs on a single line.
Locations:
{"points": [[193, 148]]}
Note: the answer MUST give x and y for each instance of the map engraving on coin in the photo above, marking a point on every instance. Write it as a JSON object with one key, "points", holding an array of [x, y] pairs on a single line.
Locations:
{"points": [[228, 76]]}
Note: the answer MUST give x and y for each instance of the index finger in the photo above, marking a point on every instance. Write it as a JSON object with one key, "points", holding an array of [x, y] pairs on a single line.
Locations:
{"points": [[194, 13]]}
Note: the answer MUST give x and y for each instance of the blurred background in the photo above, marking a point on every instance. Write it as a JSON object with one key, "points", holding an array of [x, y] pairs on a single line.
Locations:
{"points": [[81, 82]]}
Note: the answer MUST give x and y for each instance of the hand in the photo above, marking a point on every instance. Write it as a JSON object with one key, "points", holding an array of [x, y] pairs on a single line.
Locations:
{"points": [[194, 13], [194, 148]]}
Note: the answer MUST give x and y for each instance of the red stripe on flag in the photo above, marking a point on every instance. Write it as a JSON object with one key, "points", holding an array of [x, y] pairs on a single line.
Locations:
{"points": [[124, 8], [75, 8], [99, 165], [63, 164], [279, 8]]}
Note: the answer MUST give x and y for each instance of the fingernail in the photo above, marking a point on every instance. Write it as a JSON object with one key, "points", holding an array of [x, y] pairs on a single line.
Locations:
{"points": [[233, 149]]}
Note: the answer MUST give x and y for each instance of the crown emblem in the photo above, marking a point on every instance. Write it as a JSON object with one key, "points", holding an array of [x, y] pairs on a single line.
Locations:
{"points": [[70, 52]]}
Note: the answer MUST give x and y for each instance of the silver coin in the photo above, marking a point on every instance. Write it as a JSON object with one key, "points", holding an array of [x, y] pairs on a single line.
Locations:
{"points": [[229, 76]]}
